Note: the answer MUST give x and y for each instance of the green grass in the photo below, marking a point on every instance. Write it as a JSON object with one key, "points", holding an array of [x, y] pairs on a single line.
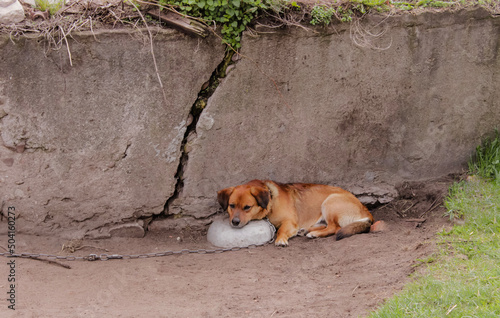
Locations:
{"points": [[46, 5], [462, 279], [487, 158], [346, 11]]}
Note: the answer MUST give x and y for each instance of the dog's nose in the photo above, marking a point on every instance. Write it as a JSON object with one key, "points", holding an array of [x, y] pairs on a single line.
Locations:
{"points": [[235, 221]]}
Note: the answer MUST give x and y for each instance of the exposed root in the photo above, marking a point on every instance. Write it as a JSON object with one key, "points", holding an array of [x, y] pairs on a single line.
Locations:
{"points": [[77, 16], [363, 37], [67, 46], [152, 51], [285, 18]]}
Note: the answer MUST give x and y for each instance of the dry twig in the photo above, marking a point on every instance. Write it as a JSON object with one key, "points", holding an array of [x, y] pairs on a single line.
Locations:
{"points": [[152, 52], [432, 207], [49, 261]]}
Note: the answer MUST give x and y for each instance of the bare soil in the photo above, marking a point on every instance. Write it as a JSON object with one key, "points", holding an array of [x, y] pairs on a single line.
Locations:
{"points": [[318, 277]]}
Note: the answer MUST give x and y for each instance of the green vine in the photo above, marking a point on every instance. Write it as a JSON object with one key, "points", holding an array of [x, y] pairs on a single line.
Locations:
{"points": [[232, 15], [322, 14]]}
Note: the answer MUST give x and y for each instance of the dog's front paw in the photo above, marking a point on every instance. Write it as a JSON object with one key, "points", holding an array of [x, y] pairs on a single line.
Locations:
{"points": [[311, 235], [281, 242]]}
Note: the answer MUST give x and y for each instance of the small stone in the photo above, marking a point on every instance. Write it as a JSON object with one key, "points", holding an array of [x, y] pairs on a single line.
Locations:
{"points": [[381, 193], [205, 122], [11, 11], [6, 3], [205, 85], [189, 120], [134, 229], [472, 179], [20, 148], [8, 162], [18, 193], [229, 69], [235, 57], [98, 234]]}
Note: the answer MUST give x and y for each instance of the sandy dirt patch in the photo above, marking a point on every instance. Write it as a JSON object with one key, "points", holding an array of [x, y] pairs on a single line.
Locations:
{"points": [[318, 277]]}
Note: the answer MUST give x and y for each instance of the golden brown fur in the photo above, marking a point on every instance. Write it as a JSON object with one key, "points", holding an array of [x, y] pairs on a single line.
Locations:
{"points": [[320, 210]]}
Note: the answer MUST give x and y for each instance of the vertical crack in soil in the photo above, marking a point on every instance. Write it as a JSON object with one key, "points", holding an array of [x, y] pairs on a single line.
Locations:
{"points": [[199, 105]]}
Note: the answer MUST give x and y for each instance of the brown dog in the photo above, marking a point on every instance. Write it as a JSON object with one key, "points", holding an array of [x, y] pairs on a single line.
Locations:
{"points": [[320, 210]]}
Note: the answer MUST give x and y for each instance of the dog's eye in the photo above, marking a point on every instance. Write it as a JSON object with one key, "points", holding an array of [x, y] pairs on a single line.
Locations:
{"points": [[246, 207], [231, 206]]}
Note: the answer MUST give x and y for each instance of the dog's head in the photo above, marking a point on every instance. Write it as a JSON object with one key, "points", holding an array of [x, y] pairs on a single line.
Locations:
{"points": [[245, 202]]}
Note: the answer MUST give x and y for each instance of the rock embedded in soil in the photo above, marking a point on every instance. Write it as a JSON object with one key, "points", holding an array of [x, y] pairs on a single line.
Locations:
{"points": [[11, 11], [222, 234], [133, 229]]}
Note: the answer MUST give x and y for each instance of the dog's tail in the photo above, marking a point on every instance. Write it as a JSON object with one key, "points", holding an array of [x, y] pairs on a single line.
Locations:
{"points": [[362, 226]]}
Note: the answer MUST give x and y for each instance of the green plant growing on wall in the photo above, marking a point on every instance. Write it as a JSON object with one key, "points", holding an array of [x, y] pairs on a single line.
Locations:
{"points": [[432, 3], [345, 14], [295, 5], [232, 15], [136, 5], [346, 11], [47, 5], [322, 14]]}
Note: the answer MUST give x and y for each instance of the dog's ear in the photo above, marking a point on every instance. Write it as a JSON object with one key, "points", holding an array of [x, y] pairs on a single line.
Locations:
{"points": [[261, 195], [223, 197]]}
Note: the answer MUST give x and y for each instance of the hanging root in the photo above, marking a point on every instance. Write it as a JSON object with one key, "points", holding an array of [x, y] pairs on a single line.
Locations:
{"points": [[364, 37]]}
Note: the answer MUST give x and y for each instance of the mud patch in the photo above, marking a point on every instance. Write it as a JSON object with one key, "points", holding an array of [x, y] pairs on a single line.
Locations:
{"points": [[319, 277]]}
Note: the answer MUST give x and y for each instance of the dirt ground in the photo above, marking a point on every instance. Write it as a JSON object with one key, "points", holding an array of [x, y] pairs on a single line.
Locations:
{"points": [[318, 277]]}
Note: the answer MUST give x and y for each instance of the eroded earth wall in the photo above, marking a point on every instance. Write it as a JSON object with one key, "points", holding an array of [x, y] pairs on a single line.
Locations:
{"points": [[97, 142], [363, 106]]}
